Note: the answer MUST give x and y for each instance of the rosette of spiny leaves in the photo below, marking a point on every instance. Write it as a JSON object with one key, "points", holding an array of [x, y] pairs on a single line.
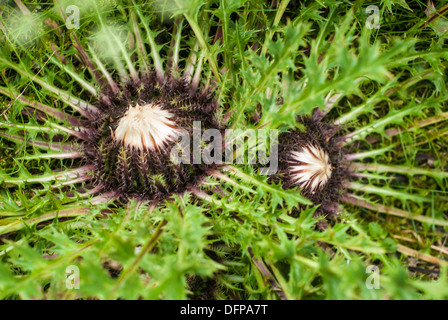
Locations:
{"points": [[90, 117], [232, 235], [369, 117]]}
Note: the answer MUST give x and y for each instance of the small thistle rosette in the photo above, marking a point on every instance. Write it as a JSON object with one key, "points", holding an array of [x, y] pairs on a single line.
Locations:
{"points": [[310, 159]]}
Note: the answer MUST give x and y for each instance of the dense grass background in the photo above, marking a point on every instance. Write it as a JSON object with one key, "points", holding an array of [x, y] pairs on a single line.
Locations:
{"points": [[232, 237]]}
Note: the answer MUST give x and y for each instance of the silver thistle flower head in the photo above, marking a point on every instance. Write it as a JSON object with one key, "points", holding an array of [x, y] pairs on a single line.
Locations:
{"points": [[310, 168], [146, 128]]}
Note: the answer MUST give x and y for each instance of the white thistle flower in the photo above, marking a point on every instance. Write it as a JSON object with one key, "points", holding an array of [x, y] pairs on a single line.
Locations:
{"points": [[310, 168], [147, 127]]}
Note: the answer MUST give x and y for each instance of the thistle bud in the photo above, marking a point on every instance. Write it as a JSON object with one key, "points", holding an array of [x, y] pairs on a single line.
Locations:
{"points": [[310, 168]]}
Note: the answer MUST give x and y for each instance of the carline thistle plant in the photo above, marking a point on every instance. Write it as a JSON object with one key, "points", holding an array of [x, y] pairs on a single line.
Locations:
{"points": [[129, 145], [313, 160], [97, 119], [124, 138]]}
